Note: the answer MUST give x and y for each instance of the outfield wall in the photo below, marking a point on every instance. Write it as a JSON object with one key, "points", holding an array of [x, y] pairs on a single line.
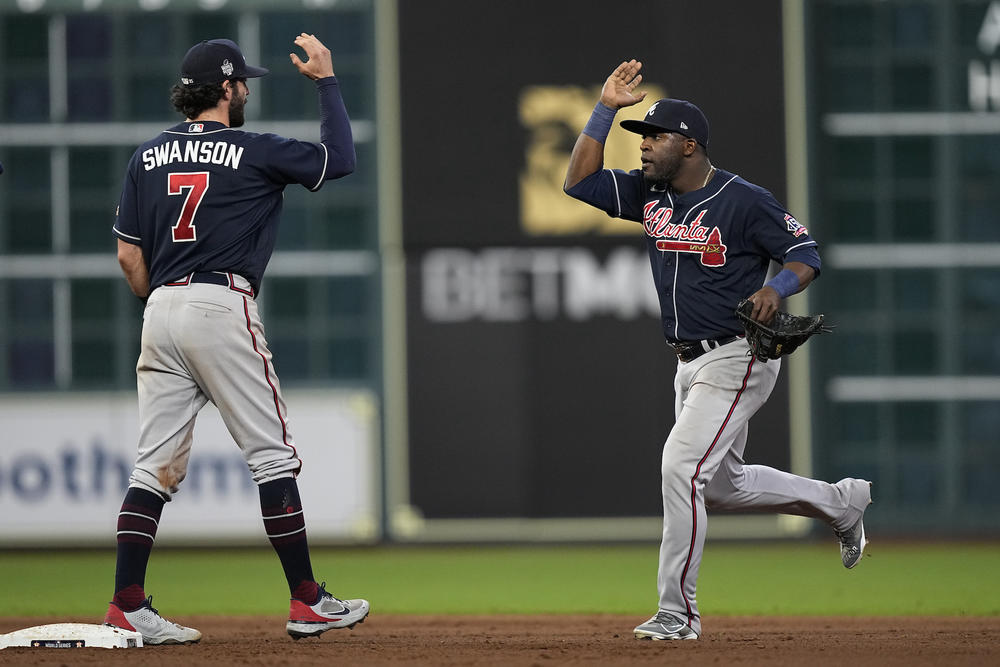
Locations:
{"points": [[65, 463]]}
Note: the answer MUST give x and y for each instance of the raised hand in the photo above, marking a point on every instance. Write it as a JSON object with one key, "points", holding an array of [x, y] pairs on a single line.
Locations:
{"points": [[618, 89], [320, 63]]}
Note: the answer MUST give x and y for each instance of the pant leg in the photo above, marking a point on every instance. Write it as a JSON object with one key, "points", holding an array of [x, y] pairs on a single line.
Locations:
{"points": [[718, 393], [169, 401], [224, 346], [757, 488]]}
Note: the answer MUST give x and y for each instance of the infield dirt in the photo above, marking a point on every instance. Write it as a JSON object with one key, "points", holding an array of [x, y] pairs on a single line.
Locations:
{"points": [[551, 640]]}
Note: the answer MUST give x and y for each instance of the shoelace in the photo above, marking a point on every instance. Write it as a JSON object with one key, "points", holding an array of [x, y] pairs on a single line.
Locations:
{"points": [[323, 593], [846, 537], [667, 618]]}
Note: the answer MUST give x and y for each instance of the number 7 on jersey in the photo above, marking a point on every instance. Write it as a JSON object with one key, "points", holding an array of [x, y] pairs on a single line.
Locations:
{"points": [[196, 184]]}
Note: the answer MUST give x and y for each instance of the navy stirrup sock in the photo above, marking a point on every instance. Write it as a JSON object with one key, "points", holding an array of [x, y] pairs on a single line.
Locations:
{"points": [[285, 525], [137, 523]]}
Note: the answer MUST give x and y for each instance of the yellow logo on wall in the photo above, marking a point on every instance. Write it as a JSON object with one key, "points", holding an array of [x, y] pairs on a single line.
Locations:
{"points": [[554, 117]]}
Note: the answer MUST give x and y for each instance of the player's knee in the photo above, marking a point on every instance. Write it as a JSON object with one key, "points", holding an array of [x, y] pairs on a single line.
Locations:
{"points": [[675, 475], [716, 495], [727, 483], [148, 480]]}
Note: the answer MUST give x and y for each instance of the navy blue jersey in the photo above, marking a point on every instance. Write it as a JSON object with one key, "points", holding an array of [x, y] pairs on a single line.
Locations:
{"points": [[708, 248], [205, 197]]}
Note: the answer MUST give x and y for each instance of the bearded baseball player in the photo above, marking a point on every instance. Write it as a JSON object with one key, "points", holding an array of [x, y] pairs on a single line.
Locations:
{"points": [[711, 236], [196, 226]]}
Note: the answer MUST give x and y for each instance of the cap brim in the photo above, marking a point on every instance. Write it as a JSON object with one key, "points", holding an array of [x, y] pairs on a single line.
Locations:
{"points": [[254, 72], [642, 127]]}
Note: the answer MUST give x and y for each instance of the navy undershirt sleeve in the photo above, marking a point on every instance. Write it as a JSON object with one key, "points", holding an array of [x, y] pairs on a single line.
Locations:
{"points": [[335, 129]]}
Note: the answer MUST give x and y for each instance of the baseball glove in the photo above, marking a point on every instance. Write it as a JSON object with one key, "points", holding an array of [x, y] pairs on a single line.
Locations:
{"points": [[782, 335]]}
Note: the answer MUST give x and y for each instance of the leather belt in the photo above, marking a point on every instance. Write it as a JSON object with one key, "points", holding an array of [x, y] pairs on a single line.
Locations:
{"points": [[212, 278], [689, 350]]}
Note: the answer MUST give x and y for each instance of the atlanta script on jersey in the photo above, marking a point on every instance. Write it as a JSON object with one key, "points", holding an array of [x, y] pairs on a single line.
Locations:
{"points": [[708, 248]]}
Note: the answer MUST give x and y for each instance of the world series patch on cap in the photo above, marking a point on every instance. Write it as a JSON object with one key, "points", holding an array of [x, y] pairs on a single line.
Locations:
{"points": [[214, 61], [668, 115]]}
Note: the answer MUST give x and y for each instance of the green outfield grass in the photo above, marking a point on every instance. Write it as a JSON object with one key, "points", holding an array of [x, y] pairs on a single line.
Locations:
{"points": [[758, 579]]}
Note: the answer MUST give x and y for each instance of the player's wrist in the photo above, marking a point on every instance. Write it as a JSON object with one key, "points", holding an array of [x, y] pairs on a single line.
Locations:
{"points": [[599, 125], [785, 283]]}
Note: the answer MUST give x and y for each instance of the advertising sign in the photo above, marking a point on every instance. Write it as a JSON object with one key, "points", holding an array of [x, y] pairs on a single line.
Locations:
{"points": [[66, 460], [540, 385]]}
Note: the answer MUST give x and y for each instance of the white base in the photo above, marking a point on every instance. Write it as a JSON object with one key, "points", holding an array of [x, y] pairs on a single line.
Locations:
{"points": [[72, 635]]}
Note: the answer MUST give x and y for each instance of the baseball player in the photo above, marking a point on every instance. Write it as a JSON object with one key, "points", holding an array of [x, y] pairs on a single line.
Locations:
{"points": [[711, 236], [196, 226]]}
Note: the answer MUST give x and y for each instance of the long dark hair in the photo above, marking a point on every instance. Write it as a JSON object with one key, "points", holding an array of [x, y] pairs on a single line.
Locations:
{"points": [[192, 100]]}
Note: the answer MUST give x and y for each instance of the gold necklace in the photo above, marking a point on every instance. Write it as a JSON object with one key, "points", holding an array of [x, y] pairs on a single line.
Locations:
{"points": [[711, 170]]}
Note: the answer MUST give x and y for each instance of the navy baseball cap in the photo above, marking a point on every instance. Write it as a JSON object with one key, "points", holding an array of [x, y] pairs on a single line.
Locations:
{"points": [[669, 115], [214, 61]]}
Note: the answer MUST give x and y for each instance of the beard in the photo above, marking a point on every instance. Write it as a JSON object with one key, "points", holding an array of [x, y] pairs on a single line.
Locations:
{"points": [[237, 108], [664, 171]]}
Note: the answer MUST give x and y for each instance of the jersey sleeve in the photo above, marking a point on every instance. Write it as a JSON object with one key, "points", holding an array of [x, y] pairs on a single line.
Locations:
{"points": [[616, 192], [127, 216], [780, 235], [289, 161], [312, 164]]}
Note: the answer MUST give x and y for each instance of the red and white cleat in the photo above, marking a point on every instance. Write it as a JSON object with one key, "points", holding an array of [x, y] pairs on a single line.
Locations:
{"points": [[327, 613]]}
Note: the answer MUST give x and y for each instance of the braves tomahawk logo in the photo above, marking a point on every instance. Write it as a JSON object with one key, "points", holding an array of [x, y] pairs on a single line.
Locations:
{"points": [[678, 237]]}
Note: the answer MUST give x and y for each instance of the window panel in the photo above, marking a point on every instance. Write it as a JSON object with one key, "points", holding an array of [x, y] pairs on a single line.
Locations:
{"points": [[25, 38], [854, 291], [318, 328], [917, 425], [912, 157], [31, 363], [919, 481], [980, 354], [852, 221], [216, 25], [853, 158], [913, 25], [981, 290], [849, 25], [93, 300], [915, 291], [141, 32], [977, 418], [91, 167], [92, 361], [912, 220], [854, 353], [292, 359], [30, 357], [29, 227], [88, 37], [856, 423], [851, 88], [915, 353], [978, 217], [149, 98], [288, 298], [348, 297], [346, 226], [912, 87], [26, 97], [348, 357]]}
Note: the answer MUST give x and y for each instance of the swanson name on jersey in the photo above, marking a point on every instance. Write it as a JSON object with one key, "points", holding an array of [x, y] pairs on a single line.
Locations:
{"points": [[207, 152]]}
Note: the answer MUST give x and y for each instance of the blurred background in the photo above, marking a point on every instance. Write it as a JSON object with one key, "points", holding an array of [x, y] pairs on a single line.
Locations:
{"points": [[467, 354]]}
